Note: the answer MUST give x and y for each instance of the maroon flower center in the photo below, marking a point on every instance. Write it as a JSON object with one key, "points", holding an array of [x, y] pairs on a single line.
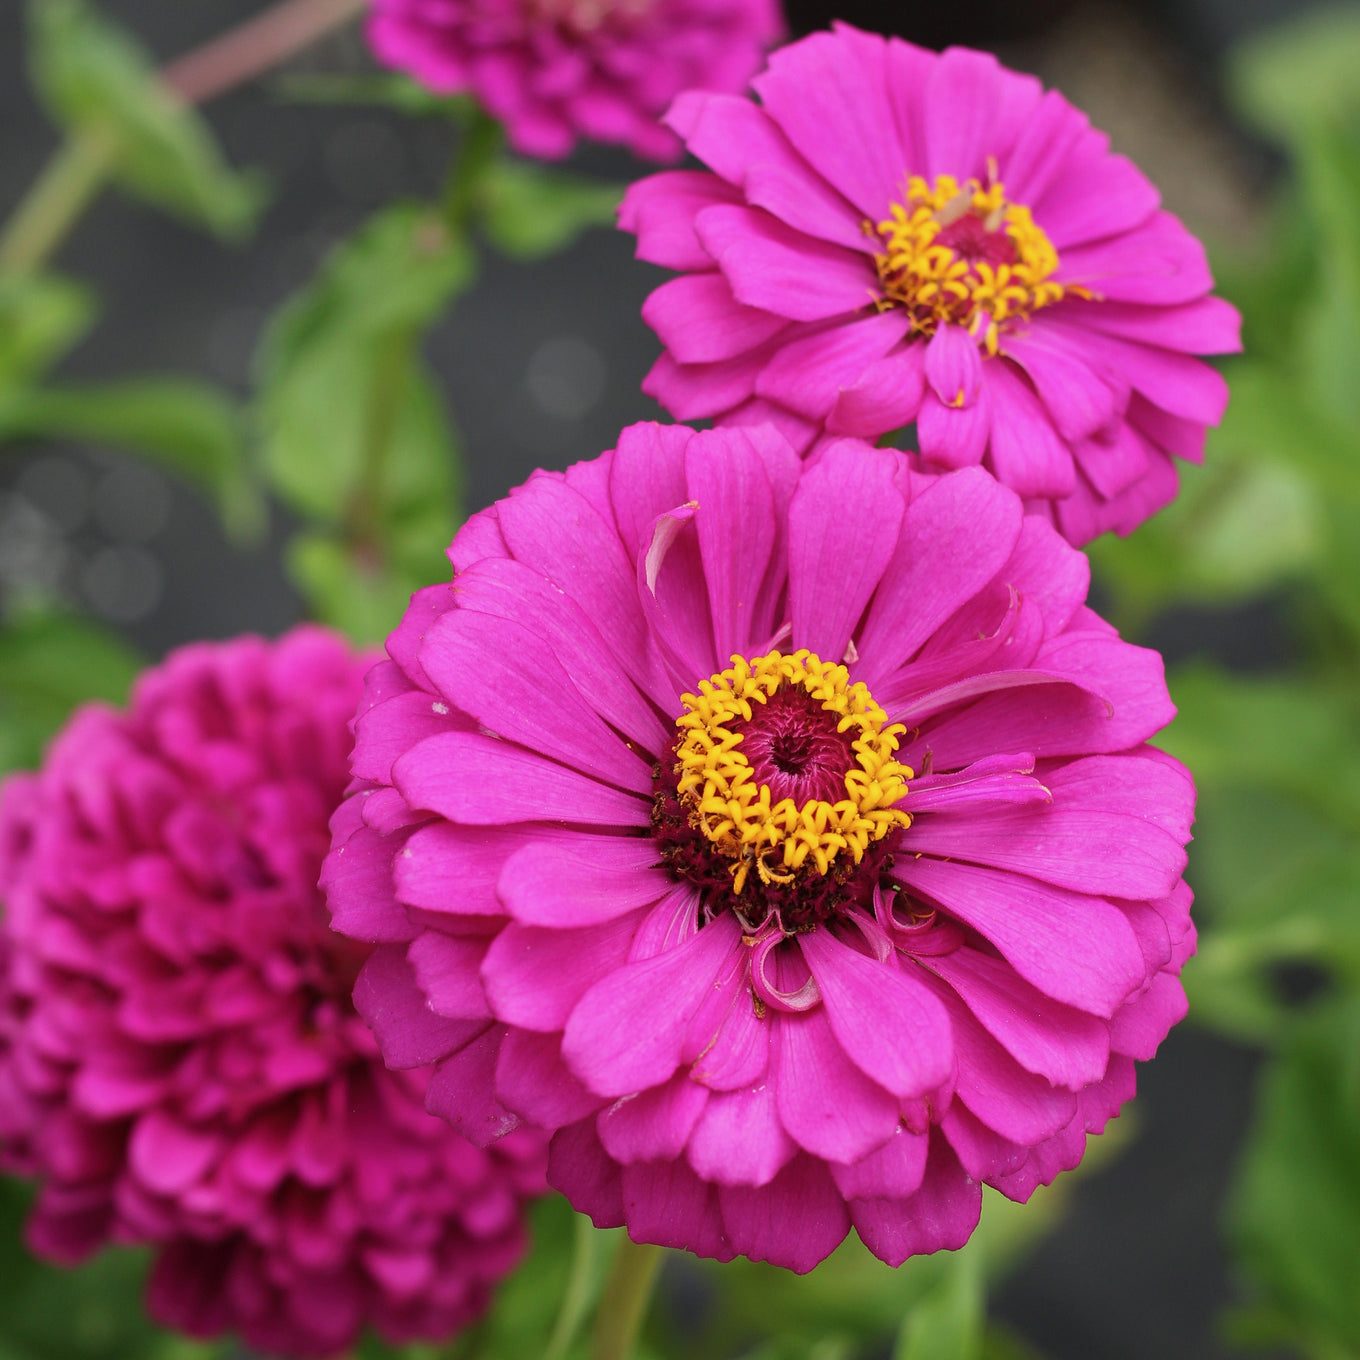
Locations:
{"points": [[970, 240], [777, 802], [794, 746]]}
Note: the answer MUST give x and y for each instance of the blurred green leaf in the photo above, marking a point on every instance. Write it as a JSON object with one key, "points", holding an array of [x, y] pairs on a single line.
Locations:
{"points": [[100, 85], [1295, 75], [48, 664], [191, 428], [337, 370], [91, 1312], [529, 211], [948, 1323], [41, 317], [1294, 1214], [1276, 858], [355, 435]]}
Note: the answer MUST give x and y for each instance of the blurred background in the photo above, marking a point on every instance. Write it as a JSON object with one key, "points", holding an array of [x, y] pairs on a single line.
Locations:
{"points": [[539, 363]]}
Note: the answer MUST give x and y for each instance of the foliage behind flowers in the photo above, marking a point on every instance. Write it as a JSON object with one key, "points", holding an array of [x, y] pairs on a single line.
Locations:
{"points": [[346, 431]]}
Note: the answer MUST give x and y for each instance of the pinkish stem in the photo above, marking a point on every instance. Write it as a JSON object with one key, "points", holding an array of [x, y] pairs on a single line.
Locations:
{"points": [[256, 46]]}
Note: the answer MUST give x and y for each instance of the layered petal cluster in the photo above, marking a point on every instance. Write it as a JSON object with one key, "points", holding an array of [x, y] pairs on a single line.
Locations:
{"points": [[781, 834], [180, 1061], [555, 70], [895, 237]]}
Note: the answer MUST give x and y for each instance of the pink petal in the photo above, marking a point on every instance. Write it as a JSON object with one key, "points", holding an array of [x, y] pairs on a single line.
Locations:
{"points": [[462, 1091], [581, 1169], [534, 976], [796, 1221], [807, 374], [941, 1215], [1079, 950], [777, 269], [885, 396], [447, 972], [801, 199], [1067, 1046], [843, 527], [168, 1156], [825, 1103], [653, 1124], [953, 366], [581, 882], [1139, 1028], [660, 211], [700, 322], [738, 1139], [1102, 853], [960, 105], [737, 531], [481, 781], [532, 1080], [616, 1041], [954, 539], [894, 1171], [1098, 195], [477, 662], [409, 1033], [886, 1020], [1158, 264], [954, 437], [667, 1204], [357, 880], [511, 590], [829, 94]]}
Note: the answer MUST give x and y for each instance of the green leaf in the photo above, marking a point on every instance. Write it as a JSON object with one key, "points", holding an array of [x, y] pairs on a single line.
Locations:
{"points": [[948, 1323], [49, 663], [100, 85], [529, 211], [1295, 1210], [41, 317], [91, 1312], [355, 435], [1295, 75], [190, 428], [337, 369]]}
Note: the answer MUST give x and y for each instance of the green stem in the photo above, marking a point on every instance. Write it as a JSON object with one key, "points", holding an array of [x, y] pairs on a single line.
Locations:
{"points": [[69, 183], [626, 1296], [480, 145], [576, 1296], [76, 174]]}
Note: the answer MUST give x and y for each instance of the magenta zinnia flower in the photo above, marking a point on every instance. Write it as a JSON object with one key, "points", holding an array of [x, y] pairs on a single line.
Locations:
{"points": [[894, 237], [180, 1061], [556, 70], [782, 835]]}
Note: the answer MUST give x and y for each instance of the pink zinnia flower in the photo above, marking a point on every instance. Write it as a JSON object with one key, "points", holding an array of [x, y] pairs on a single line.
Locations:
{"points": [[180, 1061], [556, 70], [780, 834], [893, 237]]}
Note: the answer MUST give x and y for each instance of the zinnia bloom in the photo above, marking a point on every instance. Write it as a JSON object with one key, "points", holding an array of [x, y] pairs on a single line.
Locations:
{"points": [[780, 834], [556, 70], [180, 1061], [893, 237]]}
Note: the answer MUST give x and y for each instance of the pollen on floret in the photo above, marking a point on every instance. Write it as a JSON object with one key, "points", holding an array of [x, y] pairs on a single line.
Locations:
{"points": [[963, 255], [784, 772]]}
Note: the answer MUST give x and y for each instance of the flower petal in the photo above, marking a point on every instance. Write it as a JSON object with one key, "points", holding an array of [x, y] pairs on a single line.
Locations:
{"points": [[628, 1031]]}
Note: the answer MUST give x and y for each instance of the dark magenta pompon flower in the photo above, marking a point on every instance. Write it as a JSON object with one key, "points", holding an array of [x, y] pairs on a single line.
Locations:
{"points": [[555, 70], [894, 237], [180, 1061], [783, 835]]}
